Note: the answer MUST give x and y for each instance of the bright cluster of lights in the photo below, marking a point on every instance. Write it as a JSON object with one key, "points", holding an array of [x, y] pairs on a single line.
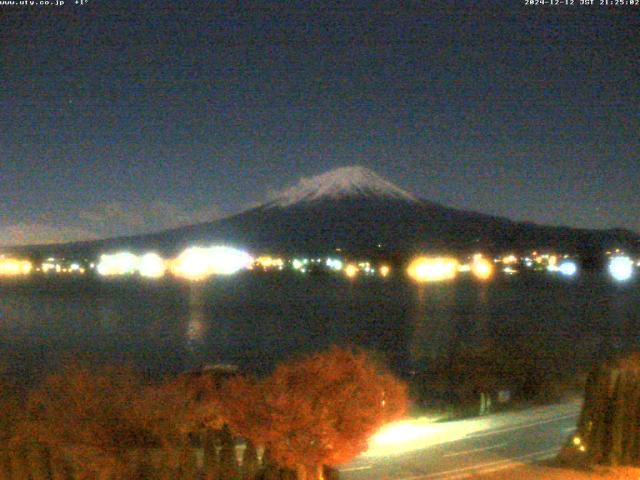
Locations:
{"points": [[121, 263], [198, 263], [54, 265], [510, 270], [433, 269], [152, 265], [481, 268], [568, 268], [335, 264], [621, 268], [351, 270], [14, 267], [509, 259], [267, 262], [366, 268], [300, 264]]}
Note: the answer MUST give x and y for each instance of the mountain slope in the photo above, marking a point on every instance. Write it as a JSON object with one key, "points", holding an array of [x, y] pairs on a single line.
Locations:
{"points": [[354, 209]]}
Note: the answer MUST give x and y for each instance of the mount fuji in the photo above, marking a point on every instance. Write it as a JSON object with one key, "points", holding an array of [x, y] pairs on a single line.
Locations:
{"points": [[345, 182], [359, 212]]}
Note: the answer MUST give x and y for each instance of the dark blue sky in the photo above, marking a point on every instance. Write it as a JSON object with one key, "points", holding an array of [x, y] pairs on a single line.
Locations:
{"points": [[120, 116]]}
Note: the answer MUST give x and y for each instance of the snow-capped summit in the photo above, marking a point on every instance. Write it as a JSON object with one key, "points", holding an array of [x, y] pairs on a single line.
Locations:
{"points": [[340, 183]]}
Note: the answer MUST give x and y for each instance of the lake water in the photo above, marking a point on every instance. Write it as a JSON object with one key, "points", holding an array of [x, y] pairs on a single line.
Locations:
{"points": [[256, 320]]}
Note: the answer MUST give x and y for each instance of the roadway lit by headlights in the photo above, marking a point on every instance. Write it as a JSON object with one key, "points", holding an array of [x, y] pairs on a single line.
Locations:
{"points": [[416, 434]]}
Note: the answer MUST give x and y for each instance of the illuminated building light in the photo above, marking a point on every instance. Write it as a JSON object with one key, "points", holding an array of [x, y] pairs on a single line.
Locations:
{"points": [[436, 269], [351, 270], [267, 263], [12, 267], [334, 264], [621, 268], [121, 263], [74, 267], [46, 267], [197, 263], [481, 268], [384, 270], [464, 268], [297, 264], [509, 259], [577, 441], [567, 268], [553, 260], [510, 270], [152, 265]]}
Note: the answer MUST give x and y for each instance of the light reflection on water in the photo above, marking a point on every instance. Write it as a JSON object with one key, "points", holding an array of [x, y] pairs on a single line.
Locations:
{"points": [[197, 323], [256, 321]]}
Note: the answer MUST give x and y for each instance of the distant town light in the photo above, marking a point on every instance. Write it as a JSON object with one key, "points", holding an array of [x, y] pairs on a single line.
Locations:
{"points": [[351, 270], [510, 270], [384, 270], [621, 268], [121, 263], [568, 268], [13, 267], [197, 263], [152, 265], [481, 268], [334, 264], [509, 259], [267, 262], [433, 269]]}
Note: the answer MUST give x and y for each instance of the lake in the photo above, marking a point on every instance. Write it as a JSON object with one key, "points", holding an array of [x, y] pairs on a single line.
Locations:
{"points": [[255, 320]]}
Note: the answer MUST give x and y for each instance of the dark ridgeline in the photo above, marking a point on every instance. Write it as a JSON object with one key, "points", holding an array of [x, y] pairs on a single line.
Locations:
{"points": [[354, 209]]}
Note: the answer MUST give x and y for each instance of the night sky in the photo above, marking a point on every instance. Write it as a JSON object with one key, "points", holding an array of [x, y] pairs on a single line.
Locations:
{"points": [[121, 117]]}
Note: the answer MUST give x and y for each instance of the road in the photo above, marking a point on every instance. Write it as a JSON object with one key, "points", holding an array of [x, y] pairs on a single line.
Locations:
{"points": [[421, 450]]}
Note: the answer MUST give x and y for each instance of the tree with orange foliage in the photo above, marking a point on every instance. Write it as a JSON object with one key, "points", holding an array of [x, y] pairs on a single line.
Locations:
{"points": [[107, 422], [318, 410], [84, 418]]}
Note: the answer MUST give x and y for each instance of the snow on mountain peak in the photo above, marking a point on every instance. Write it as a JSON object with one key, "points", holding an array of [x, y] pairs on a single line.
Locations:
{"points": [[339, 183]]}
